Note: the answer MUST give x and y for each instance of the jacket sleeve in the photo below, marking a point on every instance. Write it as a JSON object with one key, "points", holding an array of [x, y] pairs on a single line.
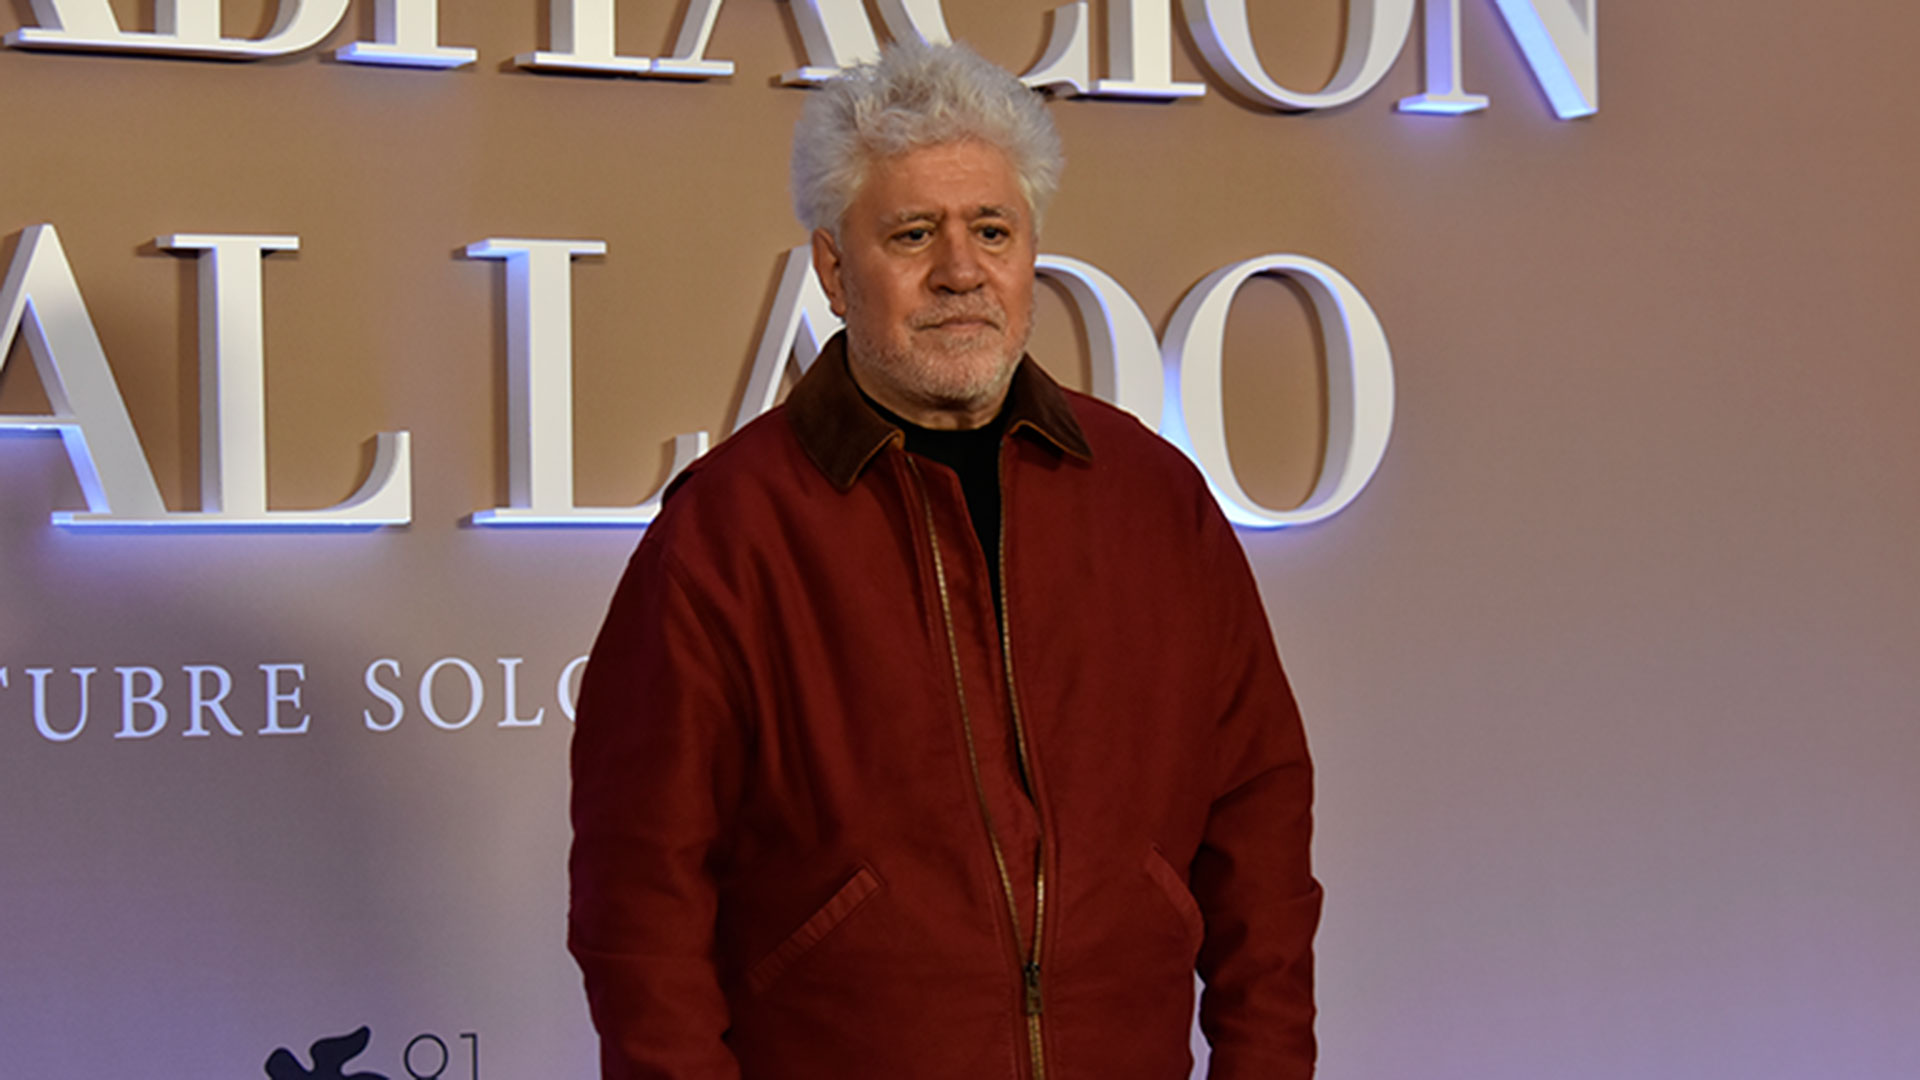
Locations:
{"points": [[1252, 874], [656, 759]]}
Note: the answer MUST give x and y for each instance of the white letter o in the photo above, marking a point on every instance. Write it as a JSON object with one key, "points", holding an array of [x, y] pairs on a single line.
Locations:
{"points": [[1359, 371]]}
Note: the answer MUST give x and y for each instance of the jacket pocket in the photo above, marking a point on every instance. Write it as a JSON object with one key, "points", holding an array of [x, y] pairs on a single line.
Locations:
{"points": [[1177, 894], [863, 884]]}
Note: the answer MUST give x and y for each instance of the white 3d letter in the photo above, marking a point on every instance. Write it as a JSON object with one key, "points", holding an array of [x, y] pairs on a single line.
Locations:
{"points": [[1376, 32], [1445, 94], [1140, 53], [1558, 41], [1065, 65], [407, 34], [583, 41], [1359, 372], [181, 28], [837, 34], [233, 406], [1124, 354], [800, 304], [689, 59], [88, 412], [540, 391]]}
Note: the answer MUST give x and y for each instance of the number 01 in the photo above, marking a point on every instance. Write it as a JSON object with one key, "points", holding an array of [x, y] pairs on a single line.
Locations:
{"points": [[471, 1038]]}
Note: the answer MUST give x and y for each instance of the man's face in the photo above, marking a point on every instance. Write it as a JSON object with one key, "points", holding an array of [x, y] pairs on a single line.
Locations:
{"points": [[933, 274]]}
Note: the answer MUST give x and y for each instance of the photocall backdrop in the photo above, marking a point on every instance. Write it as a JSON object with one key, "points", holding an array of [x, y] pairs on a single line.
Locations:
{"points": [[1609, 670]]}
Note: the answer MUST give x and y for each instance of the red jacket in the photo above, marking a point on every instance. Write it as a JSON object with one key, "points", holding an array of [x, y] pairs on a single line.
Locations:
{"points": [[804, 841]]}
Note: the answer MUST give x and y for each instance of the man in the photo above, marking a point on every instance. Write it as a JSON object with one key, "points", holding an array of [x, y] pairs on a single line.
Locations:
{"points": [[936, 730]]}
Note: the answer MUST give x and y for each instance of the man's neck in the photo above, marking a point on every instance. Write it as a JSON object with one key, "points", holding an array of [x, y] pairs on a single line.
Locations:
{"points": [[933, 415], [943, 416]]}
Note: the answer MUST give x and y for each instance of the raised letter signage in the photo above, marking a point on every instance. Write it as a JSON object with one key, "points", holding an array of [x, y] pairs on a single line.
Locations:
{"points": [[1560, 44], [1140, 53], [1557, 40], [837, 34], [1122, 351], [1359, 372], [408, 35], [1174, 384], [540, 391], [582, 33], [41, 295], [181, 28], [799, 304], [1376, 32], [88, 413], [233, 405], [582, 40]]}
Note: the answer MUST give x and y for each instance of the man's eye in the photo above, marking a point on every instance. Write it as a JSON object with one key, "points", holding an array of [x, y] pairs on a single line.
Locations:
{"points": [[913, 236], [994, 232]]}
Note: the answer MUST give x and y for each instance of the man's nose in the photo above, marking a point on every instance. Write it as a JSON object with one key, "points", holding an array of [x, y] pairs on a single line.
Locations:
{"points": [[956, 265]]}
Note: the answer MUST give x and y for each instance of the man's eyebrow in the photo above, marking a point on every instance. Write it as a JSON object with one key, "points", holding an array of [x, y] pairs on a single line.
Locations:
{"points": [[904, 217], [993, 210], [984, 210]]}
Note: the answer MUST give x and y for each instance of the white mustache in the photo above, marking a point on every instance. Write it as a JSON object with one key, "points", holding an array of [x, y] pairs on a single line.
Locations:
{"points": [[991, 314]]}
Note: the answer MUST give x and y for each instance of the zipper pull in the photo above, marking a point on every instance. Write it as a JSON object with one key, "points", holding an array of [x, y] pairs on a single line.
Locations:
{"points": [[1033, 988]]}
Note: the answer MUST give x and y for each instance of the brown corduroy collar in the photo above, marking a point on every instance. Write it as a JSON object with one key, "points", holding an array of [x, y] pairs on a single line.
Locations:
{"points": [[840, 433]]}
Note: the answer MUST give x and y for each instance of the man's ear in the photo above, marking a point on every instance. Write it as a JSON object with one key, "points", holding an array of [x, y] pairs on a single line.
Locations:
{"points": [[826, 267]]}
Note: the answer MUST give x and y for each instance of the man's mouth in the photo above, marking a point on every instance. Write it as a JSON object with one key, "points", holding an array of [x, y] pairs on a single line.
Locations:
{"points": [[958, 322]]}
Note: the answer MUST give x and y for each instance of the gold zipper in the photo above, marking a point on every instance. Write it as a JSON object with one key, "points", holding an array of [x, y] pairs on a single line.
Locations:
{"points": [[1027, 956], [1032, 969]]}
